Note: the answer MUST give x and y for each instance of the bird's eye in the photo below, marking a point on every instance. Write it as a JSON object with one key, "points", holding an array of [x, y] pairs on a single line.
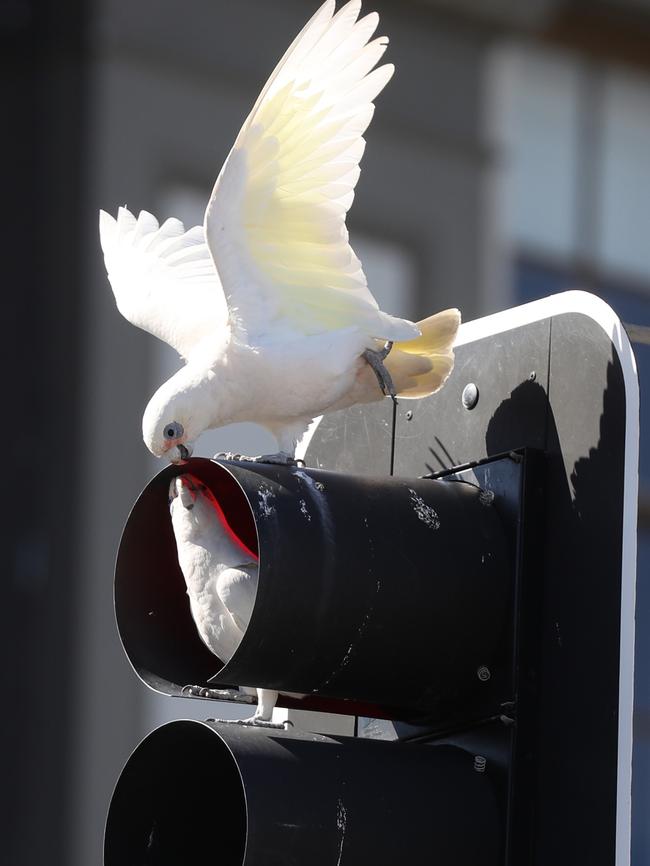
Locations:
{"points": [[173, 430]]}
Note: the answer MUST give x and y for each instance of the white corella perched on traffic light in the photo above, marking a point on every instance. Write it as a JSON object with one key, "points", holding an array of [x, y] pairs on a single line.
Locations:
{"points": [[267, 303]]}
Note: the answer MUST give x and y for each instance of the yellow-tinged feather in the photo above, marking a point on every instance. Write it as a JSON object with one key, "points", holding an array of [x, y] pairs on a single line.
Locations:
{"points": [[433, 348], [289, 181], [437, 334]]}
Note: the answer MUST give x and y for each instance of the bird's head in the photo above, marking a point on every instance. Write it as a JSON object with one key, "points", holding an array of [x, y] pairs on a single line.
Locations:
{"points": [[171, 423], [192, 511]]}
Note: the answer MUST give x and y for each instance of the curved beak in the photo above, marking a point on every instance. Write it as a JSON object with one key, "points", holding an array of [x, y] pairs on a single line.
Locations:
{"points": [[180, 453]]}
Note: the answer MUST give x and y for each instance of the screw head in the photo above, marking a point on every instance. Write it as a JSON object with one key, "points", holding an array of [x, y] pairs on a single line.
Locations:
{"points": [[483, 673], [532, 376], [409, 414], [480, 763], [470, 395]]}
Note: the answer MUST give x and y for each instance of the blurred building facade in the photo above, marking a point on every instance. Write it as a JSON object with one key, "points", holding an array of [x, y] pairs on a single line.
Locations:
{"points": [[509, 158]]}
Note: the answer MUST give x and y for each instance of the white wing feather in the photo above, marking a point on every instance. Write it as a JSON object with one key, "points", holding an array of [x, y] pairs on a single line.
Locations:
{"points": [[275, 223], [163, 278], [237, 588]]}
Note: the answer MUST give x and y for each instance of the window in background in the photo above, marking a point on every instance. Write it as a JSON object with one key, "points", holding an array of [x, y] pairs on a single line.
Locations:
{"points": [[541, 128], [625, 178], [578, 218]]}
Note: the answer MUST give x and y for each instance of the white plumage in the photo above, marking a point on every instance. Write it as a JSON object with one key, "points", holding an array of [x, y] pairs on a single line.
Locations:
{"points": [[267, 302], [220, 573]]}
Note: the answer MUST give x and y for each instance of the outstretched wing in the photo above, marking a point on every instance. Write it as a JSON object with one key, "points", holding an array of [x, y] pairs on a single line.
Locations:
{"points": [[275, 223], [163, 278]]}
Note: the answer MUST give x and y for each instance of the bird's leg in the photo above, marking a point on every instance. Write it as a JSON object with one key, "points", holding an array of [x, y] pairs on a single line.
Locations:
{"points": [[266, 700], [375, 358]]}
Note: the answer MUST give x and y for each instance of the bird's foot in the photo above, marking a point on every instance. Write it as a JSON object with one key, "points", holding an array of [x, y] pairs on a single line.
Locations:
{"points": [[279, 459], [253, 723], [217, 694], [375, 358]]}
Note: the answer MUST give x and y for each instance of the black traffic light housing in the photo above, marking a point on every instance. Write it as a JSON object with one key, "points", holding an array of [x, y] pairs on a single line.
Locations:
{"points": [[197, 792], [483, 599], [373, 592]]}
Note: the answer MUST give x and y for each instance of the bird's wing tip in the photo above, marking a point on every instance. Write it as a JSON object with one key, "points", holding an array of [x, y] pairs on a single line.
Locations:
{"points": [[107, 228]]}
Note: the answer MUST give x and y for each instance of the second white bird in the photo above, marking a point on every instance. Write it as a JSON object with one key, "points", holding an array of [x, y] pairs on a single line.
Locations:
{"points": [[220, 572]]}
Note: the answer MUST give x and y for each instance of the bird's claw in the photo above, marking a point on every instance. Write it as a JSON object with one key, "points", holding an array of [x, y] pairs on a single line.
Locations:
{"points": [[191, 691], [254, 723], [279, 459], [217, 694], [375, 359]]}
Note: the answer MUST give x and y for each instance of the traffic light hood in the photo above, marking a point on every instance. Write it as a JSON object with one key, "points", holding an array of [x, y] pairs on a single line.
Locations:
{"points": [[388, 593]]}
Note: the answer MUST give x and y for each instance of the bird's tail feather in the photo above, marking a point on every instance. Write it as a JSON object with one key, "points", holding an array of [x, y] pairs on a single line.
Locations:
{"points": [[421, 366]]}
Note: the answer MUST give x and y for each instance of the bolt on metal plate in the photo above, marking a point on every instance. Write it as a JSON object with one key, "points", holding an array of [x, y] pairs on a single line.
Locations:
{"points": [[470, 395]]}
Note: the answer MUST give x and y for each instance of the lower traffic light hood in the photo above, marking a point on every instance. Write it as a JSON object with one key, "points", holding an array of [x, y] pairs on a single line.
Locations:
{"points": [[201, 792]]}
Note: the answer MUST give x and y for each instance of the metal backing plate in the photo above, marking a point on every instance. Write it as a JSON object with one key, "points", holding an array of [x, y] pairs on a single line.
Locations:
{"points": [[356, 440], [558, 376]]}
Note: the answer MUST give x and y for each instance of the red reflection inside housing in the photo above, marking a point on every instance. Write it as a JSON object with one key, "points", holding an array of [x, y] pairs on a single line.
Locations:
{"points": [[234, 516]]}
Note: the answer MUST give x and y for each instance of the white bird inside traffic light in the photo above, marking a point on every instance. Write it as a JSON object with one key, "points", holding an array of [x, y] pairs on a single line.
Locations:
{"points": [[220, 573], [267, 302]]}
